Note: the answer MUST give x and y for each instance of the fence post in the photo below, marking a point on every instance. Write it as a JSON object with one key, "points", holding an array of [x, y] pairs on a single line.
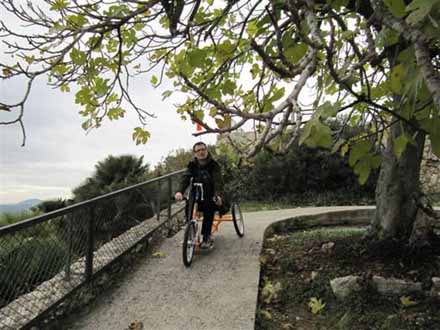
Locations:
{"points": [[90, 244], [170, 192], [158, 200]]}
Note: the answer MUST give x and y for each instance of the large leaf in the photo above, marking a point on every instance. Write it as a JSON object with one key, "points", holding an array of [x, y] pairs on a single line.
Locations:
{"points": [[358, 151], [396, 78], [396, 7], [295, 53], [400, 145]]}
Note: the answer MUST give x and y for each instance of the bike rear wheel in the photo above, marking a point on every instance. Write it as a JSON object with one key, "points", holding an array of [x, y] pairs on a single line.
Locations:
{"points": [[189, 243], [237, 218]]}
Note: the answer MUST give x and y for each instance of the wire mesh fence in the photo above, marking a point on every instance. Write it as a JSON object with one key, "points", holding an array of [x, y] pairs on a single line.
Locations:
{"points": [[44, 258]]}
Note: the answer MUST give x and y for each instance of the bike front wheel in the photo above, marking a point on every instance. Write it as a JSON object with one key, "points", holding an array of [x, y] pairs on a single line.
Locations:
{"points": [[189, 243], [237, 218]]}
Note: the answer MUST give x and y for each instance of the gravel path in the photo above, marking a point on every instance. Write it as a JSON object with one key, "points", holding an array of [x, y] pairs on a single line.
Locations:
{"points": [[219, 290]]}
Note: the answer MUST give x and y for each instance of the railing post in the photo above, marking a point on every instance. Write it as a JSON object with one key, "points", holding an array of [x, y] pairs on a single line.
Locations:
{"points": [[158, 200], [170, 192], [90, 244]]}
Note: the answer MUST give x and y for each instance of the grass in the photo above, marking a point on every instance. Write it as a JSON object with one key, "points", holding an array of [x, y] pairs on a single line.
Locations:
{"points": [[295, 291]]}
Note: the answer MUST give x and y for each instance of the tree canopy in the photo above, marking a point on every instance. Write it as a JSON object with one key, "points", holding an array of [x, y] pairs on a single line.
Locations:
{"points": [[283, 67]]}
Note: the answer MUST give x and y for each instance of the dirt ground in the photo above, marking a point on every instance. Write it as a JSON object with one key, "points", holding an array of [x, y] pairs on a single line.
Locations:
{"points": [[295, 292]]}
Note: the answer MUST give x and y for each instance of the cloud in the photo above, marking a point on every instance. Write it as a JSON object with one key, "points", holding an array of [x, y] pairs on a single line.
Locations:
{"points": [[58, 154]]}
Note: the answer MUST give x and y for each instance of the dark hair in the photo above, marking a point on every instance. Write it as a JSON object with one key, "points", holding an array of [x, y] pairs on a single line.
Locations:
{"points": [[200, 143]]}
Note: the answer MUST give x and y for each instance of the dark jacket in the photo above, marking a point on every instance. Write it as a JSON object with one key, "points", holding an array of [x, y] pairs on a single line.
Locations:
{"points": [[209, 174]]}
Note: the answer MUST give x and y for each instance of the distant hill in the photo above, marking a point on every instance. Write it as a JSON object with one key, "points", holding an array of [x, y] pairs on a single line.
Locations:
{"points": [[21, 206]]}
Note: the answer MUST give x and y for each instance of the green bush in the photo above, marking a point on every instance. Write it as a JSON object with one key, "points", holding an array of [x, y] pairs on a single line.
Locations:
{"points": [[11, 218]]}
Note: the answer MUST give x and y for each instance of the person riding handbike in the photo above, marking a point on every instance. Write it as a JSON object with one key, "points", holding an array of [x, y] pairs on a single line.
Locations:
{"points": [[204, 170]]}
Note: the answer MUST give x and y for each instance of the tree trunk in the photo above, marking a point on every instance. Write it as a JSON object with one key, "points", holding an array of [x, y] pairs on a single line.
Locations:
{"points": [[397, 187]]}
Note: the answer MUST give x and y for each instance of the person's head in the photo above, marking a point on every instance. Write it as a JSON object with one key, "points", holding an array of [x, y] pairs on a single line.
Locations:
{"points": [[200, 151]]}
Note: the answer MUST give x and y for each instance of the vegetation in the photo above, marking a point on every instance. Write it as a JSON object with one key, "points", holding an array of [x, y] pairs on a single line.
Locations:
{"points": [[248, 62], [11, 218], [295, 289], [301, 177]]}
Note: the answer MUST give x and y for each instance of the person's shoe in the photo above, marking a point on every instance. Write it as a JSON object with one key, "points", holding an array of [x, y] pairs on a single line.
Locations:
{"points": [[207, 245]]}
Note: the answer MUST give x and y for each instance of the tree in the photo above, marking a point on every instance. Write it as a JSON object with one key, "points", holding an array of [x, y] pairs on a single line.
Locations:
{"points": [[119, 213], [248, 62]]}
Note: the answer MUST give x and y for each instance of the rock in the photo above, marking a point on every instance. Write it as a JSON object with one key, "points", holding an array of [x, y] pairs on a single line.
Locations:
{"points": [[392, 322], [395, 287], [327, 247], [435, 288], [344, 286], [345, 323], [313, 275]]}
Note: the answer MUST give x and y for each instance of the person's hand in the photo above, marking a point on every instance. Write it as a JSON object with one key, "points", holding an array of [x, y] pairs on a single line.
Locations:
{"points": [[218, 200], [178, 196]]}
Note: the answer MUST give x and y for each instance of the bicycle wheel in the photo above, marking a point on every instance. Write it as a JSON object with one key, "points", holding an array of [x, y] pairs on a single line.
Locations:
{"points": [[237, 218], [189, 243]]}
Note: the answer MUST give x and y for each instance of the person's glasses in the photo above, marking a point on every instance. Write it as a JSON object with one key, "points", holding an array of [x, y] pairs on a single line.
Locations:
{"points": [[199, 150]]}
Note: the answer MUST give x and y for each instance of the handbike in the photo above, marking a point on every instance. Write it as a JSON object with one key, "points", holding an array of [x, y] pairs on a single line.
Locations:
{"points": [[192, 236]]}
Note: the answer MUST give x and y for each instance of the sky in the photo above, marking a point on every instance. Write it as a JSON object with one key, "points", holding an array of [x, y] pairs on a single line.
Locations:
{"points": [[59, 155]]}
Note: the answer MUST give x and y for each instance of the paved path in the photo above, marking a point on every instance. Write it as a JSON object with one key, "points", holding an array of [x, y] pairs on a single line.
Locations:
{"points": [[219, 290]]}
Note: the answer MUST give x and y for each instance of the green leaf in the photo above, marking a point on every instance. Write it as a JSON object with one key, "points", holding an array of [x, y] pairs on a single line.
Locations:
{"points": [[316, 305], [278, 94], [362, 169], [340, 144], [327, 110], [358, 151], [387, 37], [400, 145], [140, 135], [166, 94], [213, 111], [160, 254], [255, 70], [77, 20], [306, 131], [59, 5], [252, 29], [396, 78], [83, 96], [337, 4], [316, 134], [407, 301], [197, 57], [87, 124], [419, 10], [154, 80], [65, 88], [115, 113], [225, 49], [29, 59], [112, 45], [229, 87], [78, 57], [100, 86], [296, 53], [199, 114], [322, 135], [396, 7]]}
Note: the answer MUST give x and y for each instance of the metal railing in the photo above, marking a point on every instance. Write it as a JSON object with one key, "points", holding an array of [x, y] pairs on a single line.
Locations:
{"points": [[45, 258]]}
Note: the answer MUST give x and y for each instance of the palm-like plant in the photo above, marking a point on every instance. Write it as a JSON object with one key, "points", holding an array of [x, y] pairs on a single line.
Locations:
{"points": [[115, 215]]}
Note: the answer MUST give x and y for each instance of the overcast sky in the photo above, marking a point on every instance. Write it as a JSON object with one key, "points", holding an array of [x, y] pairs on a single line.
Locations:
{"points": [[58, 154]]}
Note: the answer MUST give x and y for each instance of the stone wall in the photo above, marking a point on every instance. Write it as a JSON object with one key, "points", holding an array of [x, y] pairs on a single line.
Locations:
{"points": [[430, 171]]}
